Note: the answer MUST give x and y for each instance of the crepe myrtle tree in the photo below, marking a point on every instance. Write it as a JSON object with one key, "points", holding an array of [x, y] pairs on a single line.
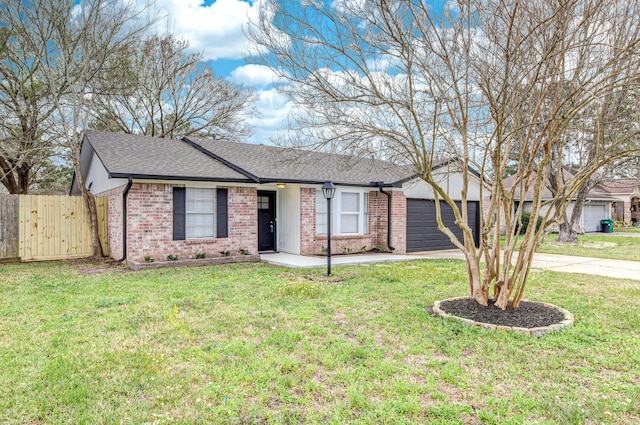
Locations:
{"points": [[493, 84]]}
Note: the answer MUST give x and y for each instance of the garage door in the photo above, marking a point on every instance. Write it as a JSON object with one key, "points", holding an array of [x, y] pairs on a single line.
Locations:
{"points": [[422, 227], [591, 216]]}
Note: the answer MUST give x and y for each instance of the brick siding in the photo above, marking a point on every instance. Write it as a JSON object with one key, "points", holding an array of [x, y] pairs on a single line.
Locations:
{"points": [[312, 244], [114, 220], [150, 224]]}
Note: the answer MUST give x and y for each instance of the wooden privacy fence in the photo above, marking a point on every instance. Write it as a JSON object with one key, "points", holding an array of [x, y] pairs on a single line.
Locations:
{"points": [[41, 227], [9, 226]]}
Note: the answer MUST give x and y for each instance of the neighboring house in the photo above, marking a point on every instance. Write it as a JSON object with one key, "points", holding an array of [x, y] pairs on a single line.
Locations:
{"points": [[626, 191], [196, 195], [598, 204]]}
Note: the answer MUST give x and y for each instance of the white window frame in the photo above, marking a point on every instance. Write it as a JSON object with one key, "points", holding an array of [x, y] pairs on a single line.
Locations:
{"points": [[195, 231], [337, 213]]}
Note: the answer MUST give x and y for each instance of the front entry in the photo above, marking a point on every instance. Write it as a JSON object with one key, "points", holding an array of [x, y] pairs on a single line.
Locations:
{"points": [[266, 221]]}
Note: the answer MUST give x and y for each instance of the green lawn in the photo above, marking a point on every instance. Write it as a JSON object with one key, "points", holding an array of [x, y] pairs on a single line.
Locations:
{"points": [[627, 229], [254, 343], [598, 245]]}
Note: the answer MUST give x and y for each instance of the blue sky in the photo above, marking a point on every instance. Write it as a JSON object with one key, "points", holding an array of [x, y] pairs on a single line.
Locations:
{"points": [[214, 27]]}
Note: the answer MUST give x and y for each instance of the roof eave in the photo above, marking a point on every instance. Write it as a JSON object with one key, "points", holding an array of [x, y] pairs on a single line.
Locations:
{"points": [[186, 178]]}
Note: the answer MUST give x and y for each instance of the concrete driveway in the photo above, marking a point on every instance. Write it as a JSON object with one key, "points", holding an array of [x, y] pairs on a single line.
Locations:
{"points": [[567, 264]]}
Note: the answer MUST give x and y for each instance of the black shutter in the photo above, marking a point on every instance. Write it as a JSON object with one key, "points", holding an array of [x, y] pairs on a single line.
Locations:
{"points": [[179, 201], [222, 213]]}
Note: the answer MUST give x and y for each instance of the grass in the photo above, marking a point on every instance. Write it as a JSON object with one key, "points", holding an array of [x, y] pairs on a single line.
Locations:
{"points": [[254, 343], [634, 229], [598, 245]]}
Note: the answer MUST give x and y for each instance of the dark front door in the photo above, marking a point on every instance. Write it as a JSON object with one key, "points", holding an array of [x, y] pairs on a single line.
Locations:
{"points": [[266, 221]]}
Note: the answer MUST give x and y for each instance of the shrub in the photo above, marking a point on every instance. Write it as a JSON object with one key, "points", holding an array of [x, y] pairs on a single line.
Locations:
{"points": [[200, 255], [172, 257], [526, 217], [148, 259]]}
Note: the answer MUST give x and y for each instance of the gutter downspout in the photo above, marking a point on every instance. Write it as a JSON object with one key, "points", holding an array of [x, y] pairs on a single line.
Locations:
{"points": [[392, 248], [124, 220]]}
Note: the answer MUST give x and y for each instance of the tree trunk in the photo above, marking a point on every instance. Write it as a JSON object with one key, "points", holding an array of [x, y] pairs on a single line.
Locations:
{"points": [[89, 202], [92, 212], [14, 178], [567, 233]]}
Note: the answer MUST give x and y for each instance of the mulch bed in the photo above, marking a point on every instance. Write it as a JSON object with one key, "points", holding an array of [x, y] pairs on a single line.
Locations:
{"points": [[527, 315]]}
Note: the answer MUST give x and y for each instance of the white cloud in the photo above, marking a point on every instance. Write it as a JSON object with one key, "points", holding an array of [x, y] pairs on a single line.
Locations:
{"points": [[215, 30], [274, 109], [252, 75]]}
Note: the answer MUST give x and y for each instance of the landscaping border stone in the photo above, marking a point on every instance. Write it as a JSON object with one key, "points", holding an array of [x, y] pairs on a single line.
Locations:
{"points": [[539, 331], [251, 258]]}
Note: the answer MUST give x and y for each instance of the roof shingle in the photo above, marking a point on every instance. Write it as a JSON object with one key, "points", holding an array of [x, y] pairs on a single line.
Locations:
{"points": [[215, 160]]}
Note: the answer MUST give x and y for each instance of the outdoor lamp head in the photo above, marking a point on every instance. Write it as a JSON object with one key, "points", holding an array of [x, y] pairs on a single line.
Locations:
{"points": [[328, 190]]}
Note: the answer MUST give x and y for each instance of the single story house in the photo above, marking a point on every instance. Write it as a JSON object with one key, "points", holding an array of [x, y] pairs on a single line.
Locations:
{"points": [[196, 195], [626, 191], [598, 204]]}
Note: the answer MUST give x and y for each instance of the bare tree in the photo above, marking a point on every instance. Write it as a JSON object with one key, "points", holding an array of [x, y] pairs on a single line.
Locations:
{"points": [[612, 120], [73, 48], [25, 102], [172, 93], [481, 81]]}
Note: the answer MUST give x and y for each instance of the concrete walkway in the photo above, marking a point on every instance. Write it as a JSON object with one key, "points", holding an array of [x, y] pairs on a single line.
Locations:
{"points": [[296, 261], [559, 263]]}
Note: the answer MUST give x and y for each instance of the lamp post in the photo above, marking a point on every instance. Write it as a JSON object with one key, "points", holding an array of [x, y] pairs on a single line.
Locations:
{"points": [[328, 190]]}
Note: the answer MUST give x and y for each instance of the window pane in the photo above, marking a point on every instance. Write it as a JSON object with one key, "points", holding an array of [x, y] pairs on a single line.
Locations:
{"points": [[199, 225], [349, 223], [199, 219], [365, 219], [321, 203], [321, 224], [350, 202], [199, 200]]}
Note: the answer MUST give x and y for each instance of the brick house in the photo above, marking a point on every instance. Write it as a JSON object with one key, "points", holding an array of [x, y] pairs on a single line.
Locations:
{"points": [[626, 206], [612, 199], [194, 195]]}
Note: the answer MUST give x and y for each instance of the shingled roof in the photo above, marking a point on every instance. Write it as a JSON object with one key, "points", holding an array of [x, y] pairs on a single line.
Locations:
{"points": [[597, 192], [126, 155], [277, 164]]}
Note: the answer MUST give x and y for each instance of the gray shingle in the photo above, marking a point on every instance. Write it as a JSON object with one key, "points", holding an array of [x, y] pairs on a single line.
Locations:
{"points": [[127, 154], [272, 164]]}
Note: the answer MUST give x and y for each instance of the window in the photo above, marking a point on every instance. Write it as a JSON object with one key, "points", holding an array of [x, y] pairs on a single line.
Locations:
{"points": [[199, 213], [263, 202], [321, 214], [349, 213]]}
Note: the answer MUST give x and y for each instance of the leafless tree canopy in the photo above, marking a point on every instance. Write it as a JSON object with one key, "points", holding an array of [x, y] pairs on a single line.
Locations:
{"points": [[172, 94], [499, 85]]}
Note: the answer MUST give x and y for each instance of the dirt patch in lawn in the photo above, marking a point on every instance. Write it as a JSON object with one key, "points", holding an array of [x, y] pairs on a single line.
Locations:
{"points": [[599, 245], [527, 315], [91, 266]]}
